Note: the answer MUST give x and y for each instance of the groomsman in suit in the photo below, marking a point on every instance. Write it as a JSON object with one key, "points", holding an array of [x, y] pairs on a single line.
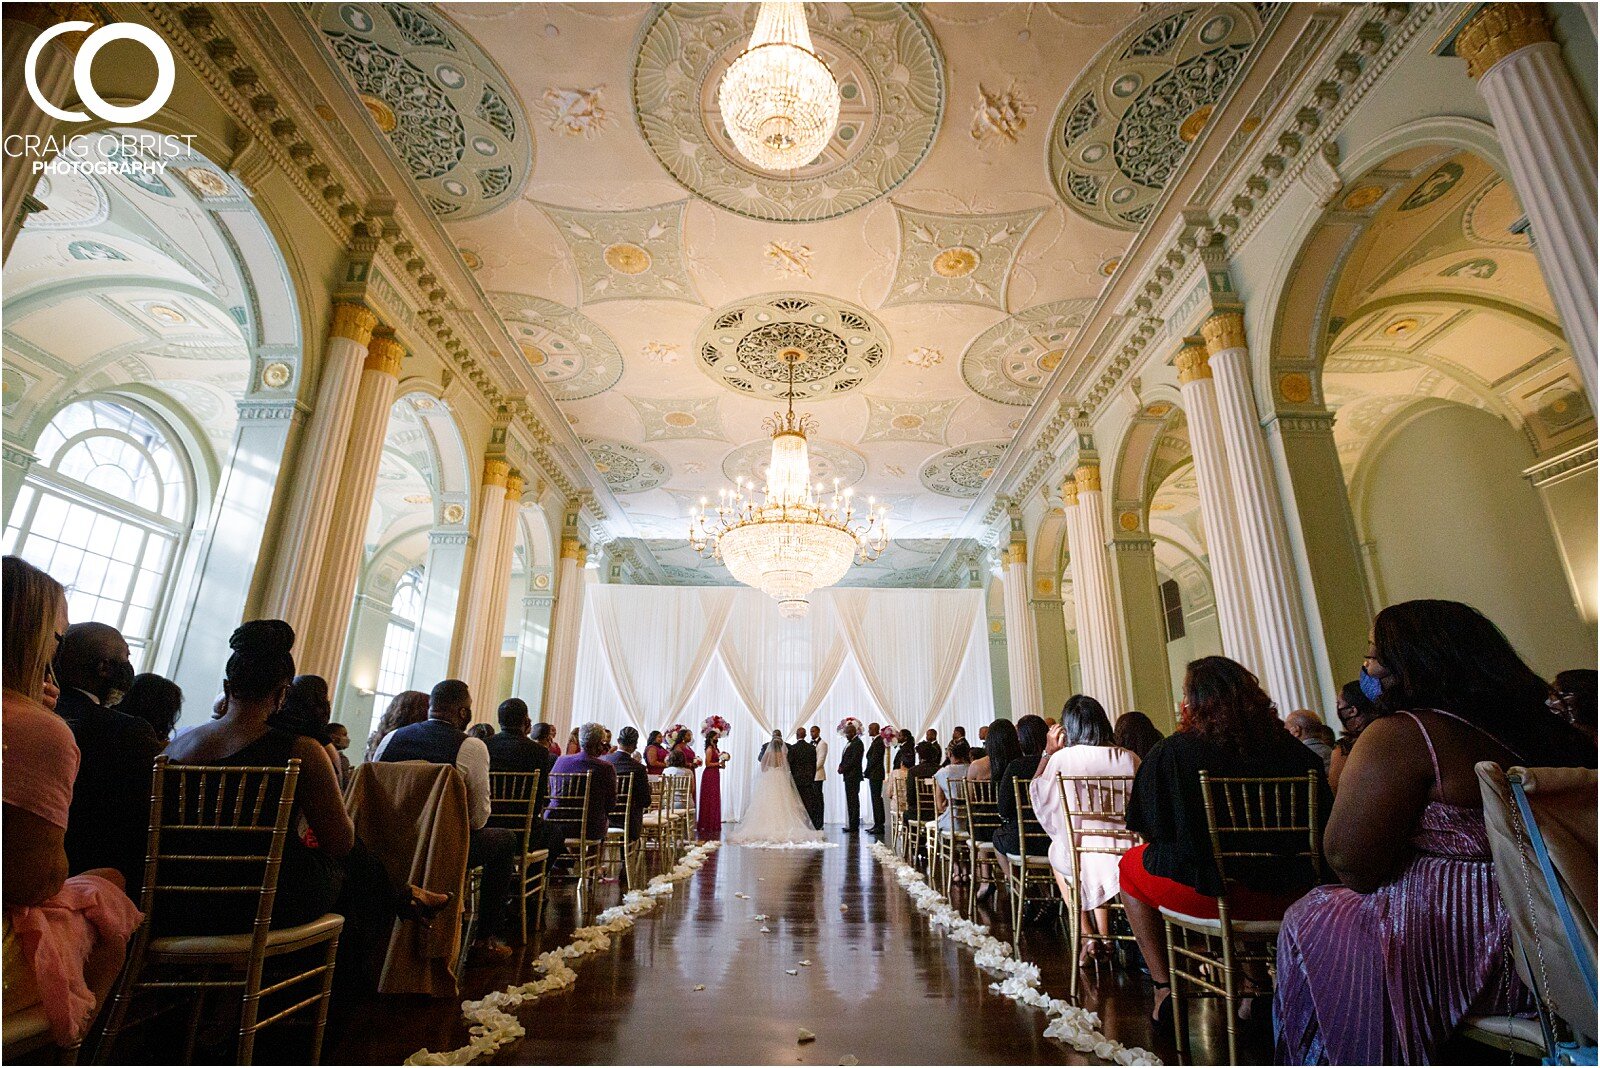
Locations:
{"points": [[803, 769], [877, 770], [821, 746], [850, 771]]}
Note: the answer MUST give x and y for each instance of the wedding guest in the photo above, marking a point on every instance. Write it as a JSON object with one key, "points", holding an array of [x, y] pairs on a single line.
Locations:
{"points": [[110, 817], [1309, 729], [655, 754], [1002, 748], [405, 708], [339, 738], [545, 734], [516, 748], [1135, 733], [307, 712], [1355, 711], [877, 769], [157, 701], [709, 821], [1227, 726], [602, 784], [1030, 730], [926, 767], [1083, 744], [1418, 926], [631, 769], [442, 739], [958, 760], [64, 937], [481, 731], [1574, 698], [573, 748]]}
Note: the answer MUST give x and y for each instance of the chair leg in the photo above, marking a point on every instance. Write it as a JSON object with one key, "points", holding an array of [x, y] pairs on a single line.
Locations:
{"points": [[1074, 943], [196, 1014], [1231, 997], [1180, 1028], [320, 1028], [249, 1012], [522, 902], [127, 984]]}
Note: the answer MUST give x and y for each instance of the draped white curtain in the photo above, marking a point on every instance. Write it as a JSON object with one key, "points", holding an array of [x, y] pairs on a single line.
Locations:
{"points": [[653, 655]]}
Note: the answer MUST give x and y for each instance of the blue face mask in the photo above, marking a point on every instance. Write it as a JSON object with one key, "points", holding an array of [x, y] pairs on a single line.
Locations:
{"points": [[1371, 687]]}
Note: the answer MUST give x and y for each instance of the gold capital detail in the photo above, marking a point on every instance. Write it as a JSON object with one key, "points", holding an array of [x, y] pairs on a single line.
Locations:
{"points": [[384, 354], [495, 472], [1069, 492], [569, 548], [1223, 331], [583, 557], [1018, 554], [514, 486], [1089, 478], [1499, 30], [1194, 364], [353, 322]]}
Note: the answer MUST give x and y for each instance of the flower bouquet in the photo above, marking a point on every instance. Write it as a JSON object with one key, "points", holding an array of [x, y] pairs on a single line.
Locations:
{"points": [[715, 723], [888, 734], [849, 720], [670, 735]]}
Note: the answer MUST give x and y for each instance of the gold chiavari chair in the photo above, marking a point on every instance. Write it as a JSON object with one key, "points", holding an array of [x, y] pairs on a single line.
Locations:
{"points": [[513, 804], [569, 809], [950, 842], [981, 813], [219, 832], [899, 798], [1249, 820], [680, 814], [923, 826], [654, 827], [1096, 810], [1028, 869], [620, 836]]}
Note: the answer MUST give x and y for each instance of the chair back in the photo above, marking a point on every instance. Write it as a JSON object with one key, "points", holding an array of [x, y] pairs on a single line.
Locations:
{"points": [[1032, 839], [980, 811], [657, 788], [513, 802], [1255, 820], [922, 800], [955, 792], [1096, 808], [569, 801], [675, 794], [622, 806], [217, 830]]}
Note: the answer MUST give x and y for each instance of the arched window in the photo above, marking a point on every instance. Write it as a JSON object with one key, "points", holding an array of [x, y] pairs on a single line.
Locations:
{"points": [[106, 512], [400, 639]]}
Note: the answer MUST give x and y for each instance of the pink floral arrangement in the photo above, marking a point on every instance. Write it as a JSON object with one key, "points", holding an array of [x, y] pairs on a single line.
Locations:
{"points": [[715, 723], [888, 734], [672, 732], [848, 720]]}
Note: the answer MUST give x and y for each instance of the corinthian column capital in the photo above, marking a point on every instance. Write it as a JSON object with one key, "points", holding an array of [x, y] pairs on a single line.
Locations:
{"points": [[353, 322], [495, 472], [569, 548], [384, 354], [514, 486], [1069, 492], [1223, 331], [1194, 363], [1018, 553], [1499, 30], [1088, 476]]}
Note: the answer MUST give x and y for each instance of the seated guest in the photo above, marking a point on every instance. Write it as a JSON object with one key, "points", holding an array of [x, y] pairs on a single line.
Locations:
{"points": [[655, 754], [1418, 927], [1355, 711], [545, 734], [1082, 745], [573, 748], [111, 801], [339, 738], [512, 748], [1227, 726], [406, 708], [1135, 733], [628, 766], [64, 938], [481, 731], [926, 767], [323, 870], [1309, 730], [1030, 752], [442, 739], [1574, 698], [958, 759], [602, 785], [1000, 739], [155, 700], [307, 712]]}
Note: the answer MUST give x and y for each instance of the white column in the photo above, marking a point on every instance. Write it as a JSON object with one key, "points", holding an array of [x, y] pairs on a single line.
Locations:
{"points": [[497, 586], [561, 666], [23, 118], [318, 465], [1090, 666], [473, 624], [1022, 639], [441, 597], [345, 550], [533, 648], [1230, 578], [1549, 140], [1287, 669], [1100, 615]]}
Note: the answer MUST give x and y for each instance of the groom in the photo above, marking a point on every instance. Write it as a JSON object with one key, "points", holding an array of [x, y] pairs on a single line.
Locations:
{"points": [[803, 769], [850, 770]]}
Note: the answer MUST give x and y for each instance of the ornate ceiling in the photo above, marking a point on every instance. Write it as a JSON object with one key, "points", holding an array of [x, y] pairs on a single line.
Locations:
{"points": [[932, 264]]}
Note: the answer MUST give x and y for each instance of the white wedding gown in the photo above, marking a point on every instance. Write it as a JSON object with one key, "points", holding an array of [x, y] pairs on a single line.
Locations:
{"points": [[775, 815]]}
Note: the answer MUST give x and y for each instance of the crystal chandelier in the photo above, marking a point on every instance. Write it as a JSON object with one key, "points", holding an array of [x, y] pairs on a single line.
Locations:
{"points": [[778, 99], [792, 541]]}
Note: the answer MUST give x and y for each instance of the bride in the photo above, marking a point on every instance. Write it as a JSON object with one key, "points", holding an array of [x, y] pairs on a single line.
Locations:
{"points": [[775, 814]]}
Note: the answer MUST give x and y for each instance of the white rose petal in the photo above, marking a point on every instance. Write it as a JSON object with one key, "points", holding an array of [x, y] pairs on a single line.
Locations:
{"points": [[806, 1036]]}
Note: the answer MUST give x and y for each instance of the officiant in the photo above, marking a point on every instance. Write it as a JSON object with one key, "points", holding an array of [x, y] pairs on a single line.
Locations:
{"points": [[803, 769]]}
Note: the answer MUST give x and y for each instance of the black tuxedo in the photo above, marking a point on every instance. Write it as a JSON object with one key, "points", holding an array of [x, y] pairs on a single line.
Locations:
{"points": [[850, 770], [803, 769], [109, 824], [877, 770]]}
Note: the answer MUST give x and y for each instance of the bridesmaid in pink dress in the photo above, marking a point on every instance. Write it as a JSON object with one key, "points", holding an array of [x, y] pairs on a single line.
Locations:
{"points": [[709, 825]]}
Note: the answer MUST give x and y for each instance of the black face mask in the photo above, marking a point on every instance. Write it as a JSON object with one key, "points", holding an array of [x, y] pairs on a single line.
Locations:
{"points": [[120, 680]]}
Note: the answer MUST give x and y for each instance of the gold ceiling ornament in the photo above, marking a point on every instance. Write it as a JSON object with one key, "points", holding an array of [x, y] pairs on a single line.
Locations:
{"points": [[793, 540], [956, 262], [778, 99], [1194, 363], [1499, 30], [1224, 331], [276, 375], [1295, 387]]}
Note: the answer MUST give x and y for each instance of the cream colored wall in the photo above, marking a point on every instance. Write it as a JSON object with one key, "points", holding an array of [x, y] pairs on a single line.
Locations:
{"points": [[1450, 516]]}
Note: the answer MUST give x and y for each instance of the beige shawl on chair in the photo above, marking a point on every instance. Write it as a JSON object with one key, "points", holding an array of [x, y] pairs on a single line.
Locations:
{"points": [[413, 816]]}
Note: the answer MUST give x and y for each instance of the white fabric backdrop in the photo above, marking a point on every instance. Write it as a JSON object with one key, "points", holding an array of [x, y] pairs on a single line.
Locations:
{"points": [[654, 655]]}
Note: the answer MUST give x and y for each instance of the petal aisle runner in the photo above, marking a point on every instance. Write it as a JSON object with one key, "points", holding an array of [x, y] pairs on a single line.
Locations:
{"points": [[1069, 1023], [490, 1020]]}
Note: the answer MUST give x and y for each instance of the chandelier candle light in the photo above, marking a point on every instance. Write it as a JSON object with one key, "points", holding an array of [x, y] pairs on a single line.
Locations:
{"points": [[793, 540], [779, 101]]}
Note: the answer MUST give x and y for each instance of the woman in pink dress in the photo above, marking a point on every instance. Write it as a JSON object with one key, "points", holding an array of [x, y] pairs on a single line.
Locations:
{"points": [[710, 822]]}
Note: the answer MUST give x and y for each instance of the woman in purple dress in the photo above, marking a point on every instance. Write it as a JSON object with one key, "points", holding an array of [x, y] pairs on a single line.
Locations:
{"points": [[1383, 969], [709, 824]]}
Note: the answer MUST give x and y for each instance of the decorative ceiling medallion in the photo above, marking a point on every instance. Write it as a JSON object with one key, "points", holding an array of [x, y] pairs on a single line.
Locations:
{"points": [[746, 346], [448, 111], [1363, 197], [1010, 361], [924, 357], [626, 468], [964, 259], [276, 375], [668, 419], [453, 513], [790, 258], [908, 420], [573, 357], [627, 255], [659, 352], [829, 460], [1121, 131], [962, 471], [1000, 117], [892, 94], [576, 112]]}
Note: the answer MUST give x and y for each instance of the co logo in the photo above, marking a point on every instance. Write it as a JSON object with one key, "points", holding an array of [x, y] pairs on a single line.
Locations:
{"points": [[81, 80]]}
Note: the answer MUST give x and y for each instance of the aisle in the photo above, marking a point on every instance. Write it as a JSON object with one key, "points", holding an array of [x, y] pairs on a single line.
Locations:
{"points": [[879, 987]]}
